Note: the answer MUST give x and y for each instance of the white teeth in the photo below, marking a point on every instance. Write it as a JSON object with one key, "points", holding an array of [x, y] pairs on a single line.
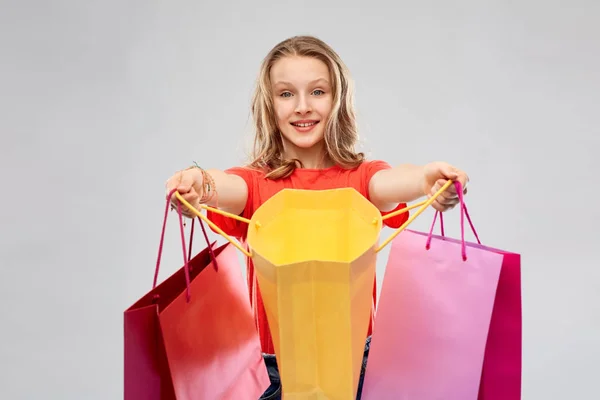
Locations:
{"points": [[305, 124]]}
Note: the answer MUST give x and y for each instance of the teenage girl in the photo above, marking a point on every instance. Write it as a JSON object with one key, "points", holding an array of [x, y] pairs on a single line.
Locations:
{"points": [[306, 133]]}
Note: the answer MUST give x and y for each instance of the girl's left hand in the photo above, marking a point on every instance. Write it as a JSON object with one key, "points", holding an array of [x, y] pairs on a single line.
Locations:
{"points": [[436, 176]]}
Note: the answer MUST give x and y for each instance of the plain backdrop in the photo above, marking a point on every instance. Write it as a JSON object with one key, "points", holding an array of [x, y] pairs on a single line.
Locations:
{"points": [[101, 101]]}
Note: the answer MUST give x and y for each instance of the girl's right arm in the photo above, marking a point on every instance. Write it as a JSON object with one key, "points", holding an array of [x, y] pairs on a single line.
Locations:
{"points": [[230, 191]]}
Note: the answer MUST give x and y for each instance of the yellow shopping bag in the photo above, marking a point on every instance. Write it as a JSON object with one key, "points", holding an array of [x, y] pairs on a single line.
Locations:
{"points": [[314, 258], [314, 254]]}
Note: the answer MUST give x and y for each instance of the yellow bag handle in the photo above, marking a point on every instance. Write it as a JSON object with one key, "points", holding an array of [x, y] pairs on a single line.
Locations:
{"points": [[423, 204], [212, 225]]}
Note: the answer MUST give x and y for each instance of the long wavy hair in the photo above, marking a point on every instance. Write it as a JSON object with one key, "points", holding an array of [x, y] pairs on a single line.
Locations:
{"points": [[341, 133]]}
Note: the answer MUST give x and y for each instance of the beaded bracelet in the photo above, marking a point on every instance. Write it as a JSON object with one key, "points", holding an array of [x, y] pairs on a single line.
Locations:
{"points": [[210, 189]]}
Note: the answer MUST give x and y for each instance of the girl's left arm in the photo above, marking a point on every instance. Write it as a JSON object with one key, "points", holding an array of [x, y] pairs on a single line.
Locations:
{"points": [[407, 182]]}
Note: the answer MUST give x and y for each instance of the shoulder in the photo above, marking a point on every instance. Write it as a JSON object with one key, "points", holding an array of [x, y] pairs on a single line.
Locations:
{"points": [[249, 174], [367, 170], [371, 167], [258, 185], [245, 171], [359, 177]]}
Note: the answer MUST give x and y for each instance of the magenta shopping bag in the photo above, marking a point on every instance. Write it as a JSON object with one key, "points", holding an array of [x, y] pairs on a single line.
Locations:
{"points": [[502, 367], [433, 319]]}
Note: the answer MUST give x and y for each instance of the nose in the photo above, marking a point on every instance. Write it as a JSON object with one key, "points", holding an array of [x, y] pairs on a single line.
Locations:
{"points": [[303, 105]]}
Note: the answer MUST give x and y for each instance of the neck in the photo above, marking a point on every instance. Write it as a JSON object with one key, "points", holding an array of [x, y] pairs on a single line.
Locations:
{"points": [[314, 157]]}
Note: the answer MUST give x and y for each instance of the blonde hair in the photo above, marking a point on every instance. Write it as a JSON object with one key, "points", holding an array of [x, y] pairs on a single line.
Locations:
{"points": [[341, 133]]}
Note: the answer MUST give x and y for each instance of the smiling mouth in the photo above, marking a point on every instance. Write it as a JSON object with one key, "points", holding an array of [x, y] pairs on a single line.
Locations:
{"points": [[304, 124]]}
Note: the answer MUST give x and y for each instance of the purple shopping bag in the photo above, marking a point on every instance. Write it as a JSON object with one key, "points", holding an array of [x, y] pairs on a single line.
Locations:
{"points": [[433, 319]]}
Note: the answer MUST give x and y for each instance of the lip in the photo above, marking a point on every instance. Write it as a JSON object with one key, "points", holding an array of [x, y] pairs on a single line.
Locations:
{"points": [[306, 128], [304, 121]]}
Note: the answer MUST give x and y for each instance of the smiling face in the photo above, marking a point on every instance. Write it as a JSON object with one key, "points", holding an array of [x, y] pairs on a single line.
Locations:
{"points": [[302, 99]]}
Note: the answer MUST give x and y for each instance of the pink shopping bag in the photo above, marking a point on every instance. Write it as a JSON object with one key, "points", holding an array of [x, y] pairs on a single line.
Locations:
{"points": [[193, 336], [502, 365], [433, 319]]}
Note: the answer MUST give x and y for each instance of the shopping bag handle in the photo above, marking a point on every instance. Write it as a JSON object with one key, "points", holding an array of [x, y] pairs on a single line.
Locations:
{"points": [[442, 234], [210, 249], [464, 213], [186, 255], [423, 206], [161, 245], [204, 218]]}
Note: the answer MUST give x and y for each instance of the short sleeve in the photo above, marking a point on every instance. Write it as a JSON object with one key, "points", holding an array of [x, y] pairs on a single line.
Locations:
{"points": [[231, 226], [370, 168]]}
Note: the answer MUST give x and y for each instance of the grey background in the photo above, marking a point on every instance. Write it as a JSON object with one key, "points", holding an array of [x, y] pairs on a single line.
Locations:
{"points": [[100, 101]]}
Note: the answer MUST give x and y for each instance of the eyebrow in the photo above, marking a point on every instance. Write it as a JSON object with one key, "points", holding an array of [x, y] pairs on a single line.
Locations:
{"points": [[310, 83]]}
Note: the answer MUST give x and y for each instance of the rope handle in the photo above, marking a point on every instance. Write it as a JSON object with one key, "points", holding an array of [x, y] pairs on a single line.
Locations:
{"points": [[423, 205], [186, 253], [204, 218]]}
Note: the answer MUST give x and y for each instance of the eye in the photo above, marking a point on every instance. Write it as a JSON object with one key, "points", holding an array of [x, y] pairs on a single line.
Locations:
{"points": [[285, 94], [318, 92]]}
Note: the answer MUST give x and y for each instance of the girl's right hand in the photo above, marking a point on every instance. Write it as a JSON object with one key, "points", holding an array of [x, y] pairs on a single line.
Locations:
{"points": [[188, 183]]}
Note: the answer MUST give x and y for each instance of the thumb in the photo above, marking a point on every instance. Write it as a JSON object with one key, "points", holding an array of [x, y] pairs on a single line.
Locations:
{"points": [[185, 184], [449, 172]]}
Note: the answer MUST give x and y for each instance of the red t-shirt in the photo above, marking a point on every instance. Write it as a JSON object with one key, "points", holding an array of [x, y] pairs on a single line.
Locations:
{"points": [[260, 189]]}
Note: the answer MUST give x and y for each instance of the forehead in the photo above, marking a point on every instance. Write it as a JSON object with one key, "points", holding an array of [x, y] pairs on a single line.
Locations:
{"points": [[298, 70]]}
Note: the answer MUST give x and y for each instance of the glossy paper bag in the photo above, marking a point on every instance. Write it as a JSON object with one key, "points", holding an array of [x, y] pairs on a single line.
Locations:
{"points": [[314, 257], [433, 319], [193, 336], [502, 364]]}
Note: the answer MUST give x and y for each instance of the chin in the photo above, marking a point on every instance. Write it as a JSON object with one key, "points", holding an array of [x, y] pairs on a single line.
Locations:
{"points": [[305, 143]]}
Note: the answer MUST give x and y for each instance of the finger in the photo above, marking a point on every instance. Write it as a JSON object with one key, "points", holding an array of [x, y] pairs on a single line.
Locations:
{"points": [[438, 207], [185, 186], [173, 184], [447, 202], [437, 186], [458, 176], [449, 171], [463, 179], [182, 181], [446, 197], [190, 196], [444, 207], [185, 182], [442, 199], [169, 186], [450, 191], [455, 174], [185, 211]]}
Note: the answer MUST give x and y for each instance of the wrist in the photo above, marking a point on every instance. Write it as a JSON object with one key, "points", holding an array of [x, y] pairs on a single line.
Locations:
{"points": [[198, 179], [204, 184]]}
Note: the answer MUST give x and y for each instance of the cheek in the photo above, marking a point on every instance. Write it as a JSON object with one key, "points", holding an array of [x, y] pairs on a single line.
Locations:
{"points": [[282, 110], [324, 107]]}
